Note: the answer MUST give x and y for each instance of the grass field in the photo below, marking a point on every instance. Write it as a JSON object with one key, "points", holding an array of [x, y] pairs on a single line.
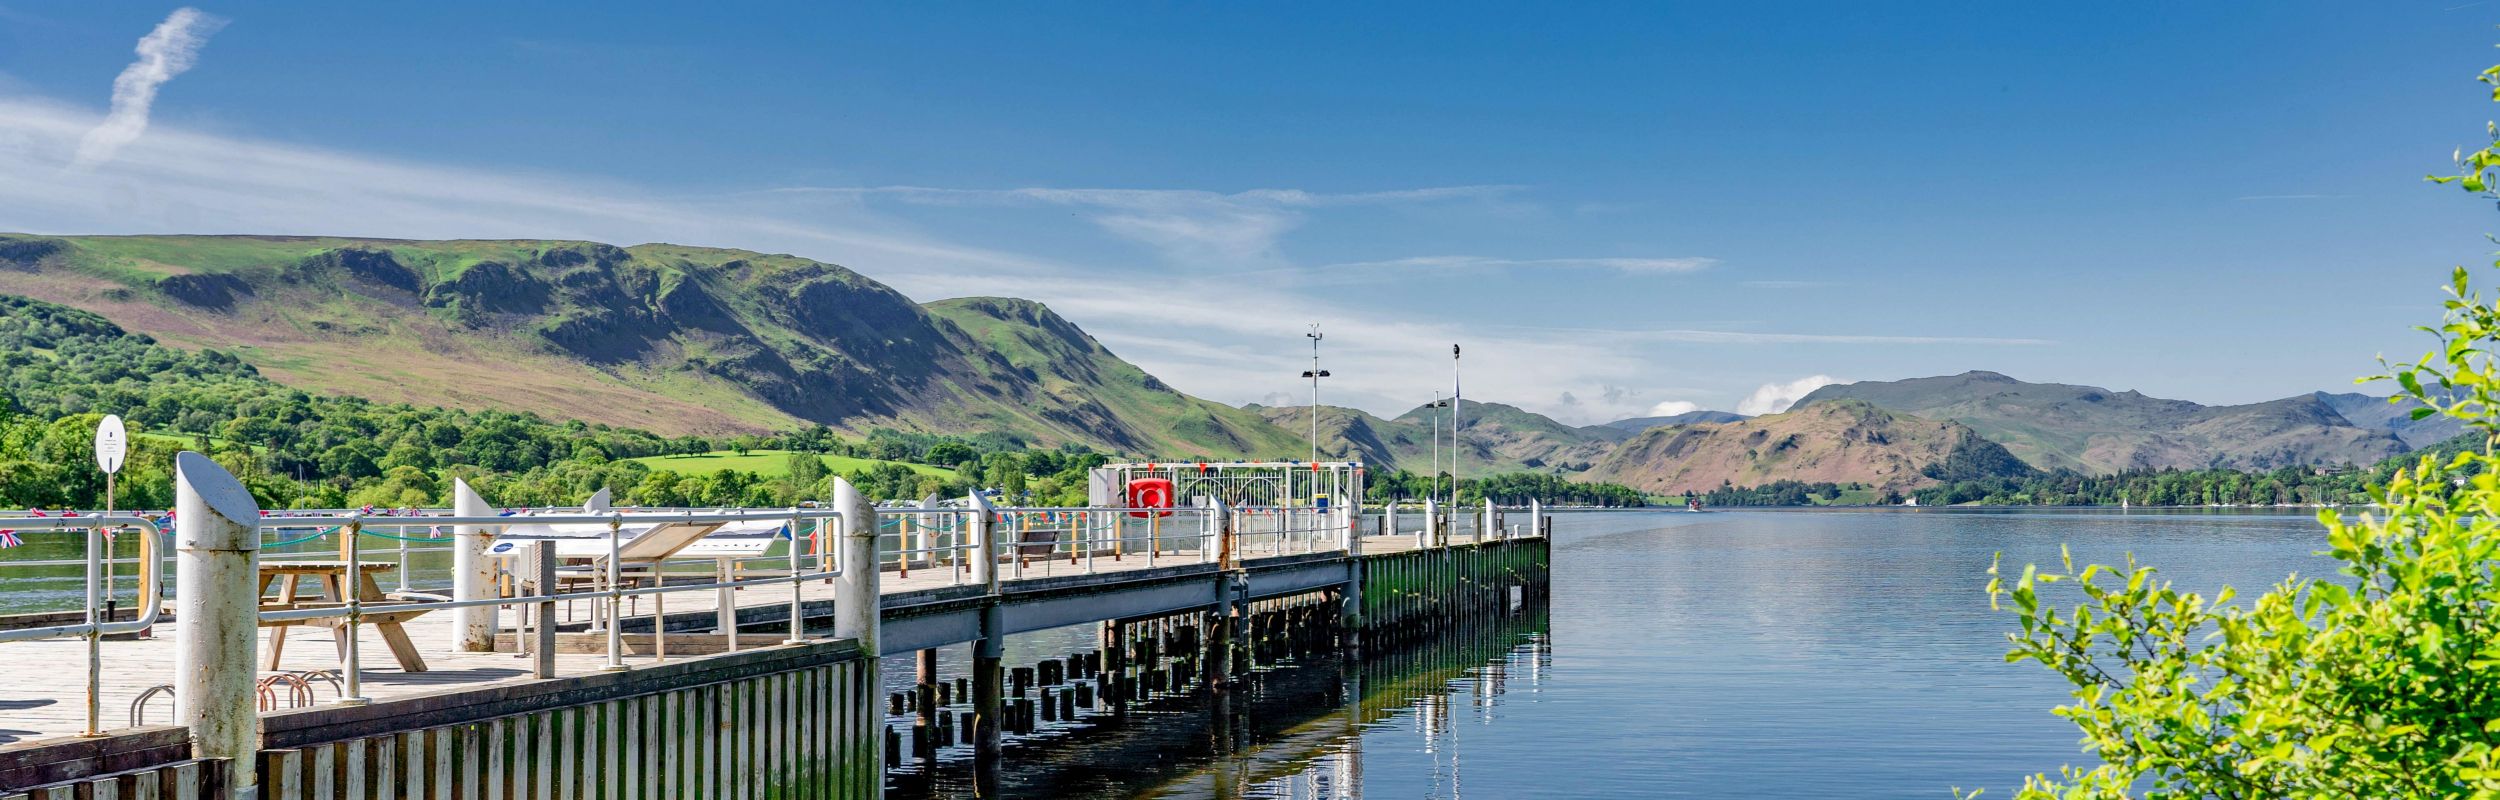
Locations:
{"points": [[770, 463]]}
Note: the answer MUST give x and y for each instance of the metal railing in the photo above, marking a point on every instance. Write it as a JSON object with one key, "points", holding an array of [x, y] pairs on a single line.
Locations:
{"points": [[95, 628], [1020, 542]]}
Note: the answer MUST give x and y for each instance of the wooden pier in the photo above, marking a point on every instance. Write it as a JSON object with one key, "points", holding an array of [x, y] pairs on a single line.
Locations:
{"points": [[782, 716]]}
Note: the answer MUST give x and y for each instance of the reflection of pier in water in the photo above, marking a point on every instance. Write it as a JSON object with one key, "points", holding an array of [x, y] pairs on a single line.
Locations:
{"points": [[1294, 733]]}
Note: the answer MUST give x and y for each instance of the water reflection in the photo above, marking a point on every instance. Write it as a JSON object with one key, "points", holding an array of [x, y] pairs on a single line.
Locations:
{"points": [[1293, 730]]}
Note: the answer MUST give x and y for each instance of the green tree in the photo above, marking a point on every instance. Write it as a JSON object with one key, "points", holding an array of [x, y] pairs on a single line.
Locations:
{"points": [[2383, 682]]}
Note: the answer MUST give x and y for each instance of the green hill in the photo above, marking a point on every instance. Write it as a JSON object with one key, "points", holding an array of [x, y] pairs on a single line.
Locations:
{"points": [[1499, 437], [661, 337]]}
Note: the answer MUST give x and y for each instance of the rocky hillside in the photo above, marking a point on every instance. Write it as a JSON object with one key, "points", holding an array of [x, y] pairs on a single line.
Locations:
{"points": [[2095, 430], [1841, 441], [2372, 411], [661, 337], [1499, 437]]}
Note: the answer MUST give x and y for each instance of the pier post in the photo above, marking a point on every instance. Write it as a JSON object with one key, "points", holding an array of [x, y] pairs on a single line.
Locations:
{"points": [[472, 572], [1389, 519], [1431, 534], [1350, 537], [217, 601], [856, 609], [1536, 517], [1223, 648], [1492, 529], [1350, 609], [987, 705]]}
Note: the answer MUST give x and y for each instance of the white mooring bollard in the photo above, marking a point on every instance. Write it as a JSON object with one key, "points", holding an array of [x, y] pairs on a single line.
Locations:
{"points": [[217, 600], [472, 572], [855, 604], [984, 543]]}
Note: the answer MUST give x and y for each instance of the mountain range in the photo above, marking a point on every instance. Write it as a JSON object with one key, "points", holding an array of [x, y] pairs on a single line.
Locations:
{"points": [[1499, 437], [2094, 430], [661, 337], [680, 339]]}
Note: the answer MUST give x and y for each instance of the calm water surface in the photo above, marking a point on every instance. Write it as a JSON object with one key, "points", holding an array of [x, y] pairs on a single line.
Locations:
{"points": [[1769, 653], [1772, 654]]}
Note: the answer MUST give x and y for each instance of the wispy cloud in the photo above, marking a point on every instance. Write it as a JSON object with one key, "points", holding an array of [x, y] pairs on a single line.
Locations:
{"points": [[1701, 336], [1787, 284], [1773, 398], [1636, 266], [163, 53], [1187, 226]]}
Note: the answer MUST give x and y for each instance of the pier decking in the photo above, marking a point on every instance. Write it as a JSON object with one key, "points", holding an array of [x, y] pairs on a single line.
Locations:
{"points": [[43, 694]]}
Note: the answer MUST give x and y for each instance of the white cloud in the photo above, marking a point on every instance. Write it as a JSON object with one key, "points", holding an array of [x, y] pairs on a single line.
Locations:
{"points": [[1773, 398], [1186, 226], [1635, 266], [1699, 336], [164, 53], [1673, 407], [1213, 334]]}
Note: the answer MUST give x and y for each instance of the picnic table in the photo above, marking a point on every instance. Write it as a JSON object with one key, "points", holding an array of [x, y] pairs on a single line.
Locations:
{"points": [[329, 590]]}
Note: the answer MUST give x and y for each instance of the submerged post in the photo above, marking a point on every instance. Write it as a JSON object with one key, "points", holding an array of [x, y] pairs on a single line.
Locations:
{"points": [[988, 700], [855, 605], [472, 573], [216, 530]]}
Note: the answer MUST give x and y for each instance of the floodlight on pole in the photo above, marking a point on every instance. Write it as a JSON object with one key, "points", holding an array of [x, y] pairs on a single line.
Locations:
{"points": [[1315, 373]]}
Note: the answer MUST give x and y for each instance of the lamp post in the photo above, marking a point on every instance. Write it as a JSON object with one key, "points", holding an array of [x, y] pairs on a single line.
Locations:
{"points": [[1314, 373], [1454, 410]]}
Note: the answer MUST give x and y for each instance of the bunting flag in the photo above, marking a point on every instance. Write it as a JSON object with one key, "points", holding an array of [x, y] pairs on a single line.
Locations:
{"points": [[9, 539]]}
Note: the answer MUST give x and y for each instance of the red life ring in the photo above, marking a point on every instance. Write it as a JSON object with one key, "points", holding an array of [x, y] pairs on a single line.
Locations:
{"points": [[1146, 493]]}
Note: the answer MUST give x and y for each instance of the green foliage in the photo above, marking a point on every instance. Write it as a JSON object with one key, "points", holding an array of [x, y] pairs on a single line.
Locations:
{"points": [[2341, 485], [2381, 682], [61, 369], [1787, 493]]}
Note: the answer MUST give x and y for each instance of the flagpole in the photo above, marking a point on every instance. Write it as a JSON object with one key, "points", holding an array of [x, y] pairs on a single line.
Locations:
{"points": [[1455, 394]]}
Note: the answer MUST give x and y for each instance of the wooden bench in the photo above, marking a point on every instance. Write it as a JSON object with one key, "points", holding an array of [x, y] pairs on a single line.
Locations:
{"points": [[329, 591]]}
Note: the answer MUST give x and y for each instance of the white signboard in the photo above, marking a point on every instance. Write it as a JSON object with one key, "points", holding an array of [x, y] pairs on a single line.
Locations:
{"points": [[111, 443]]}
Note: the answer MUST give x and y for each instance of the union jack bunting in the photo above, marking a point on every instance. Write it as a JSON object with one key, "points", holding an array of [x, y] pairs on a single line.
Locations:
{"points": [[9, 539]]}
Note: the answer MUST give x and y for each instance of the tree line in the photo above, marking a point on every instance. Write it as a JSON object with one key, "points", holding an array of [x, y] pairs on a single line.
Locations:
{"points": [[63, 369]]}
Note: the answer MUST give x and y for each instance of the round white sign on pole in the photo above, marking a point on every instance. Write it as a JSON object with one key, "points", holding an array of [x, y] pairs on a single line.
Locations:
{"points": [[111, 443]]}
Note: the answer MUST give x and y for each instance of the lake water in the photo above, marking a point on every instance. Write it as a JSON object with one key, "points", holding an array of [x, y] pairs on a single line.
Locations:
{"points": [[1764, 654]]}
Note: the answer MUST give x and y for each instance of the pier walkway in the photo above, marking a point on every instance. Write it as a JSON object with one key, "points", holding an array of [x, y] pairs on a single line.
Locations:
{"points": [[43, 695]]}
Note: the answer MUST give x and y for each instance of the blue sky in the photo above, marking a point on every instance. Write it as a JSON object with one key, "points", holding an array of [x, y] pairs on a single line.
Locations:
{"points": [[1614, 206]]}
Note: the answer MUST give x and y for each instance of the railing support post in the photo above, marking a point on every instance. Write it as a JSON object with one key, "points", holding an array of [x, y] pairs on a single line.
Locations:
{"points": [[543, 646], [1431, 534], [855, 605], [472, 573], [217, 594]]}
